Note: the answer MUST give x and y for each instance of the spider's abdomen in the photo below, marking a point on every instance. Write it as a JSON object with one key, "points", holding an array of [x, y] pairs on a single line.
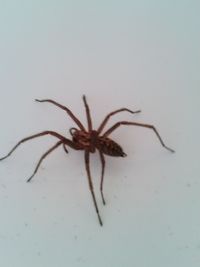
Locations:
{"points": [[109, 147]]}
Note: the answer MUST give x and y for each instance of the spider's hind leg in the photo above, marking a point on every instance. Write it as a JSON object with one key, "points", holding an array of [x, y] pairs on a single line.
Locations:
{"points": [[104, 122], [149, 126]]}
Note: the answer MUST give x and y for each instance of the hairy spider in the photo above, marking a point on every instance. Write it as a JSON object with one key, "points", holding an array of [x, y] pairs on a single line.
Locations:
{"points": [[89, 141]]}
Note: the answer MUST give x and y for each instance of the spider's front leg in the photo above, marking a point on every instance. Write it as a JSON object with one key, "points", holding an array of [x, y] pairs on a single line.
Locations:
{"points": [[102, 175], [69, 112], [87, 165], [43, 157], [89, 119], [46, 154], [52, 133], [62, 139]]}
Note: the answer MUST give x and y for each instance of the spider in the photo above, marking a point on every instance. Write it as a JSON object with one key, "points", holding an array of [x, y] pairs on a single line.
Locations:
{"points": [[88, 140]]}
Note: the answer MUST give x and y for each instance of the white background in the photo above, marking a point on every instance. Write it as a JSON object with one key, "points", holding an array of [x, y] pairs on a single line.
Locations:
{"points": [[120, 54]]}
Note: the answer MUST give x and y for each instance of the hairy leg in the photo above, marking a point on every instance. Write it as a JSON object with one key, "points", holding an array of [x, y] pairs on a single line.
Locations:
{"points": [[87, 165], [44, 156], [89, 120], [60, 137], [102, 175], [74, 118], [101, 127], [115, 126]]}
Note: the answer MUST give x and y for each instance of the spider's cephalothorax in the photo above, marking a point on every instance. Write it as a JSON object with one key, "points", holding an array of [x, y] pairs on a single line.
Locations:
{"points": [[89, 141], [81, 138]]}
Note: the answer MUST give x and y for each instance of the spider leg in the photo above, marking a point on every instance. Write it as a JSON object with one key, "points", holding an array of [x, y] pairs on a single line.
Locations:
{"points": [[73, 117], [65, 149], [115, 126], [62, 138], [101, 127], [102, 175], [87, 165], [44, 156], [89, 120]]}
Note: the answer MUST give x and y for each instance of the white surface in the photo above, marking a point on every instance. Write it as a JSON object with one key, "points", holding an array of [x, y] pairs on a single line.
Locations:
{"points": [[120, 54]]}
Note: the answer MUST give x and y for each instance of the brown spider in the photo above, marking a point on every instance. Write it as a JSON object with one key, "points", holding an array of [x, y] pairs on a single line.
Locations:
{"points": [[89, 140]]}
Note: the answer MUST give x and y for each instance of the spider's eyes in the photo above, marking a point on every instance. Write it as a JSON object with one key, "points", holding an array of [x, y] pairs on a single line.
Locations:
{"points": [[72, 131]]}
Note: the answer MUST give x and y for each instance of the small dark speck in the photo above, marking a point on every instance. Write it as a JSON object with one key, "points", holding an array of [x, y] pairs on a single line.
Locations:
{"points": [[75, 237], [26, 224], [39, 253], [3, 185], [188, 185]]}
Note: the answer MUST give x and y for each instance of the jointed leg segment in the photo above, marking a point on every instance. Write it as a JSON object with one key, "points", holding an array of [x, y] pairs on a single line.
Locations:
{"points": [[74, 118], [102, 175], [87, 165], [60, 137], [89, 120], [44, 156], [65, 149], [101, 127], [115, 126]]}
